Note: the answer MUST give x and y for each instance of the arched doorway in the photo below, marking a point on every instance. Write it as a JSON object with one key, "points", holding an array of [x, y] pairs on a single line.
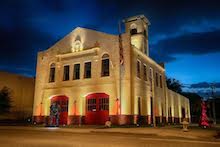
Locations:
{"points": [[97, 108], [62, 101]]}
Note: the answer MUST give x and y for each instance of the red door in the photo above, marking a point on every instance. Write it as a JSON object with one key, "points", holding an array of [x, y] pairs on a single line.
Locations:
{"points": [[62, 101], [97, 108]]}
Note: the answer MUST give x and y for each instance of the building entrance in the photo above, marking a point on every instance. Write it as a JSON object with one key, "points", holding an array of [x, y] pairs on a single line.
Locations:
{"points": [[62, 103], [97, 109]]}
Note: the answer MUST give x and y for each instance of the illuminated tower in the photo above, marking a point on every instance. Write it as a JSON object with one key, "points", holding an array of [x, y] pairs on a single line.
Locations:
{"points": [[137, 26]]}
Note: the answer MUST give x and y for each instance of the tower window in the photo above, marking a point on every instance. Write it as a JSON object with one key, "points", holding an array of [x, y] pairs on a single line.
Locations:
{"points": [[66, 70], [138, 69], [105, 65], [133, 31], [87, 70], [76, 72], [52, 73]]}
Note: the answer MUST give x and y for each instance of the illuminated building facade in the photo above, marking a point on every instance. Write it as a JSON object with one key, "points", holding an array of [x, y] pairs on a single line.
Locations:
{"points": [[96, 77]]}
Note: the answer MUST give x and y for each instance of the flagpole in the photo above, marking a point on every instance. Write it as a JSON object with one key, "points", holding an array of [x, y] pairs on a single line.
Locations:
{"points": [[121, 62]]}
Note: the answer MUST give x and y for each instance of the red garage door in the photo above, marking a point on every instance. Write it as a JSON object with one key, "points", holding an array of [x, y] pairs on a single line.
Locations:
{"points": [[97, 108], [62, 101]]}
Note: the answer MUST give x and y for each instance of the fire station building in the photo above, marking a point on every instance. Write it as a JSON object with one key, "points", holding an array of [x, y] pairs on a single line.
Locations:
{"points": [[96, 77]]}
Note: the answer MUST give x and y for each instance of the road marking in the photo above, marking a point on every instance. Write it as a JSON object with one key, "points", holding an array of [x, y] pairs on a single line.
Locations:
{"points": [[179, 140]]}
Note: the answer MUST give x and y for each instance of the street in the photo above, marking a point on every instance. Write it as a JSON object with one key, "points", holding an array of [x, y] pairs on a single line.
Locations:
{"points": [[34, 137]]}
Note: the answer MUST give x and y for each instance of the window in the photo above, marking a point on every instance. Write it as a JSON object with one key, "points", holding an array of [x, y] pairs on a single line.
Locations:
{"points": [[145, 72], [66, 70], [151, 79], [156, 79], [138, 69], [76, 71], [105, 65], [103, 104], [52, 73], [161, 83], [87, 70], [91, 104], [139, 106], [133, 31], [170, 112], [145, 33]]}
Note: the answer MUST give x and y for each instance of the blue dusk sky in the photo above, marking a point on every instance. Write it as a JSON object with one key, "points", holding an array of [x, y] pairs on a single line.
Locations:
{"points": [[185, 34]]}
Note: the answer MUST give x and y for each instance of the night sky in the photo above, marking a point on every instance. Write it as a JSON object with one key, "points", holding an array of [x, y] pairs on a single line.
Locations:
{"points": [[185, 34]]}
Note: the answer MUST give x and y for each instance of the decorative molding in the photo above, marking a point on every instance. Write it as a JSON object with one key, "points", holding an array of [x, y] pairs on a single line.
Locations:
{"points": [[79, 54]]}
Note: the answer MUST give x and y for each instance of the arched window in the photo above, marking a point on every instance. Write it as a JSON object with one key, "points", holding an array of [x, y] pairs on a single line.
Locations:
{"points": [[133, 29], [52, 72], [105, 65]]}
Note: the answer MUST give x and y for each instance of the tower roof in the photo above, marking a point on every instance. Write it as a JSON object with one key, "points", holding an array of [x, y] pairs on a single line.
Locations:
{"points": [[134, 18]]}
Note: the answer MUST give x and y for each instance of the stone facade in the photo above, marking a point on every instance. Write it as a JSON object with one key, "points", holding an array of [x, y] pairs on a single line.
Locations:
{"points": [[136, 88], [22, 94]]}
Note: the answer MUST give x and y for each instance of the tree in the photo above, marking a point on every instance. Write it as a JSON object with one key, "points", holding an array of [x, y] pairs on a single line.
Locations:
{"points": [[203, 118], [174, 85], [5, 100]]}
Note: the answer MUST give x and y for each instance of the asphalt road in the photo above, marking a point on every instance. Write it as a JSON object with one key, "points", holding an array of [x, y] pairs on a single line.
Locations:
{"points": [[52, 137]]}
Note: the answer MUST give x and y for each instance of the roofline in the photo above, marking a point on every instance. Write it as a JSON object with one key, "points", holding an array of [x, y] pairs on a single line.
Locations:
{"points": [[134, 18]]}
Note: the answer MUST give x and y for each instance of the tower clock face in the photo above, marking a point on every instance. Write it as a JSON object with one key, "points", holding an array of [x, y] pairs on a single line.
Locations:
{"points": [[76, 46]]}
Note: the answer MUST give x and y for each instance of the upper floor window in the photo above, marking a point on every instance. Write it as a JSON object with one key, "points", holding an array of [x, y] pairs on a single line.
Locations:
{"points": [[52, 73], [76, 71], [105, 65], [161, 82], [156, 79], [133, 29], [87, 70], [145, 72], [138, 69], [66, 71]]}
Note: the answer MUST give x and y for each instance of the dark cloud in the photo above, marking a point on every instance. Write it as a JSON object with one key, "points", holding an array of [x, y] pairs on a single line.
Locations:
{"points": [[205, 85], [19, 48], [27, 26], [193, 43], [154, 54]]}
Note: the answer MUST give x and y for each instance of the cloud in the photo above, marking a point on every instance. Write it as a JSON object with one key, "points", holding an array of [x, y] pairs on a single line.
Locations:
{"points": [[205, 85], [191, 43], [178, 27], [19, 48]]}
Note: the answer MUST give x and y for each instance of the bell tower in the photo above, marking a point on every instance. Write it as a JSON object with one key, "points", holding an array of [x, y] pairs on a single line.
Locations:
{"points": [[137, 27]]}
